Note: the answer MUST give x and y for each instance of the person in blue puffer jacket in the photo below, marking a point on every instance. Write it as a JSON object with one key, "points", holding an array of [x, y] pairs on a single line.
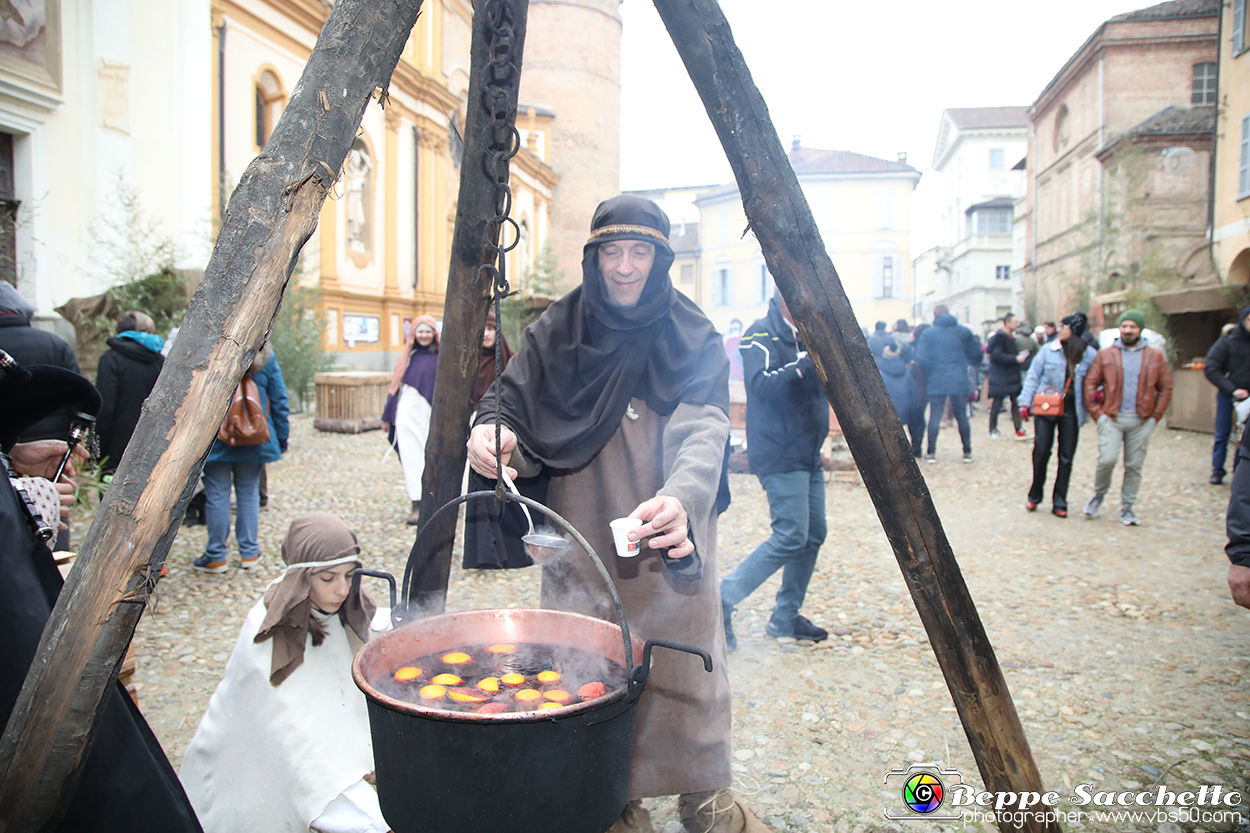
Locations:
{"points": [[243, 464], [1061, 364]]}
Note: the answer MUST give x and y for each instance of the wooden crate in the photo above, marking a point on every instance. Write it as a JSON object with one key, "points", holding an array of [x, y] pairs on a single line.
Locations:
{"points": [[349, 402]]}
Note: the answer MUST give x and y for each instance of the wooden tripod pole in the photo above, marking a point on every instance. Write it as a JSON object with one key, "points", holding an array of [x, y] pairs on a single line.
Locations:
{"points": [[271, 214], [464, 314], [782, 222]]}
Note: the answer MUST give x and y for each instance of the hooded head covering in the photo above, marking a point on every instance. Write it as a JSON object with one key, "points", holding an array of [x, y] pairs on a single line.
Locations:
{"points": [[1077, 322], [429, 321], [13, 302], [1136, 316], [486, 365], [566, 391], [314, 543]]}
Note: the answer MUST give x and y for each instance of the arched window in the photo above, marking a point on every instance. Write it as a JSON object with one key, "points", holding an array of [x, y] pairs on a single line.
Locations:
{"points": [[270, 101]]}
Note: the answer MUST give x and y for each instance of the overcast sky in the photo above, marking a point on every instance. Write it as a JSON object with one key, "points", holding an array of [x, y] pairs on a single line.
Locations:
{"points": [[872, 78]]}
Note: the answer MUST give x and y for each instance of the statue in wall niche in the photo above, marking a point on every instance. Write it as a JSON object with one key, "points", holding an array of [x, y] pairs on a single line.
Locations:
{"points": [[359, 203]]}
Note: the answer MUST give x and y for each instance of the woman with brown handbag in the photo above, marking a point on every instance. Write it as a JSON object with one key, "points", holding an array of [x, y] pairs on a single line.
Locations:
{"points": [[1052, 393]]}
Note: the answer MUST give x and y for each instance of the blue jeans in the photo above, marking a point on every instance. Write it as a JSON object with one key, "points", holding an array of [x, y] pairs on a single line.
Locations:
{"points": [[937, 406], [796, 500], [1223, 428], [217, 478]]}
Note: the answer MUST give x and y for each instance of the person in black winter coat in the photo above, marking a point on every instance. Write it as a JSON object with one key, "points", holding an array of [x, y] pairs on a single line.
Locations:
{"points": [[1228, 368], [944, 352], [787, 422], [127, 374], [31, 346], [1005, 364], [1238, 527]]}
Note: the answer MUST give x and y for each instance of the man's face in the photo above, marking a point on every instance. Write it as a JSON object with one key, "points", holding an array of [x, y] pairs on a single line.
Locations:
{"points": [[1130, 333], [625, 265], [1050, 331], [1011, 323]]}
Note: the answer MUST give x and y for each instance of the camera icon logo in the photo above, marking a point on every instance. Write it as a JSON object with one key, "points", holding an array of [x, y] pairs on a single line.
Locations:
{"points": [[923, 788]]}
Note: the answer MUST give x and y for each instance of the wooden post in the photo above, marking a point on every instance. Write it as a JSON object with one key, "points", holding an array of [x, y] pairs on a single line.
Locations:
{"points": [[782, 222], [271, 214], [464, 315]]}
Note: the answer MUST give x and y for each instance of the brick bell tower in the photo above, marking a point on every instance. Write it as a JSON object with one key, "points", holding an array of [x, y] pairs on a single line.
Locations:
{"points": [[573, 66]]}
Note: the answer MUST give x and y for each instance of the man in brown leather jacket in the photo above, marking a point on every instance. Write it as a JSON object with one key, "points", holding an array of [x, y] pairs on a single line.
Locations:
{"points": [[1136, 389]]}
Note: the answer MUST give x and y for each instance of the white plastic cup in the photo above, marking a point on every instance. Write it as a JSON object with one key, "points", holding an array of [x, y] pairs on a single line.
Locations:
{"points": [[625, 548]]}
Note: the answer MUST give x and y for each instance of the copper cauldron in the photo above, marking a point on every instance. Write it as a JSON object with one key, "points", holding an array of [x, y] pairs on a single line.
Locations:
{"points": [[564, 769]]}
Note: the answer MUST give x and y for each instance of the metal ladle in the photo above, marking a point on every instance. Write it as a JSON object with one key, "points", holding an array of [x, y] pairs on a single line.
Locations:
{"points": [[538, 545]]}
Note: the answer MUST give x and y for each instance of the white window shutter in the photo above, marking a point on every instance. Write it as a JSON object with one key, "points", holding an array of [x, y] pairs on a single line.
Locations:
{"points": [[1243, 166], [1239, 25], [878, 267]]}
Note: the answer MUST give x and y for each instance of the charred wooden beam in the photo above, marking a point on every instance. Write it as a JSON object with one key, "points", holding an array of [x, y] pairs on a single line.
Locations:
{"points": [[271, 214], [493, 90], [782, 222]]}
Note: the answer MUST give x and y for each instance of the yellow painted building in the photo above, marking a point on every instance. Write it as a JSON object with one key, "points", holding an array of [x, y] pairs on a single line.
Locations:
{"points": [[381, 252], [1231, 227], [862, 208]]}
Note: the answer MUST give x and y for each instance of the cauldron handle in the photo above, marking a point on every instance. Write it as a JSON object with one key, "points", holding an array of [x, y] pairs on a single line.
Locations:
{"points": [[390, 579], [450, 506], [638, 677]]}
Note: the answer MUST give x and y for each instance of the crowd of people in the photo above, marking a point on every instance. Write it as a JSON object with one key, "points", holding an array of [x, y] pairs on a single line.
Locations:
{"points": [[616, 405]]}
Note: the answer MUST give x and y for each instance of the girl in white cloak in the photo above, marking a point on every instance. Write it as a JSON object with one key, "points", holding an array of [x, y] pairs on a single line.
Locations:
{"points": [[285, 744]]}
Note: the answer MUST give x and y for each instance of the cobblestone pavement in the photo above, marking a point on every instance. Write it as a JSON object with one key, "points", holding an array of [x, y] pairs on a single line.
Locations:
{"points": [[1126, 658]]}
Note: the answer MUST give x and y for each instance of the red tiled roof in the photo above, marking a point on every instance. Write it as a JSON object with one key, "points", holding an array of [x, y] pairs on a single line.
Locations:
{"points": [[1174, 9], [813, 161]]}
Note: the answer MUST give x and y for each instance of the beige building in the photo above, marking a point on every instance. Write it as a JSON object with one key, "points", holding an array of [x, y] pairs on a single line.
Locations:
{"points": [[380, 254], [172, 99], [976, 158], [862, 208], [1231, 233], [1116, 166], [573, 66]]}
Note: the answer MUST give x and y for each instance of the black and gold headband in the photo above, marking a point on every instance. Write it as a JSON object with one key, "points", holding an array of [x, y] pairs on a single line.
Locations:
{"points": [[646, 231]]}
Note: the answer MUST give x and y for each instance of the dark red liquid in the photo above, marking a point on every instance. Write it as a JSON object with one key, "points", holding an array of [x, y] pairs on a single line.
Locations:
{"points": [[575, 667]]}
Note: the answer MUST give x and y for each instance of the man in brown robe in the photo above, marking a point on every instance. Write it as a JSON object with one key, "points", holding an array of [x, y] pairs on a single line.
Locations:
{"points": [[618, 398]]}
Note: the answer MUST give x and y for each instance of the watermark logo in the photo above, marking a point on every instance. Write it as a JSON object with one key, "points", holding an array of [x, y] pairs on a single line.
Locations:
{"points": [[923, 789], [923, 793]]}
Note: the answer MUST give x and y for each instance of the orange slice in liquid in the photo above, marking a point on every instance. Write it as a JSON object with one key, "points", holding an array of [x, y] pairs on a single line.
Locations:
{"points": [[501, 648], [493, 708], [407, 673], [548, 677], [549, 706], [466, 695], [512, 679], [557, 695], [433, 692], [490, 684], [446, 679], [456, 658], [526, 695], [591, 690]]}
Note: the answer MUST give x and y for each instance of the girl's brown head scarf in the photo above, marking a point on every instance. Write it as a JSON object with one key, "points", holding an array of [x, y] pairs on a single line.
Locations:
{"points": [[314, 543]]}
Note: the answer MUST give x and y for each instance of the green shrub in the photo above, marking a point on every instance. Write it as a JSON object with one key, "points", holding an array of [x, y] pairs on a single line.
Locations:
{"points": [[298, 341]]}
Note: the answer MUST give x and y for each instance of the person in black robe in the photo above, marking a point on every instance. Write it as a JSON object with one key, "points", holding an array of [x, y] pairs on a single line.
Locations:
{"points": [[126, 784]]}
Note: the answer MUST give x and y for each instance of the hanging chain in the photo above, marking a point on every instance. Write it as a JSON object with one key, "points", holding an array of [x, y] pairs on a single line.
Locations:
{"points": [[500, 142]]}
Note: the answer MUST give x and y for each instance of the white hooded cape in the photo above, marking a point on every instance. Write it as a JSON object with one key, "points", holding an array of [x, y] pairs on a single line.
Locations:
{"points": [[272, 759]]}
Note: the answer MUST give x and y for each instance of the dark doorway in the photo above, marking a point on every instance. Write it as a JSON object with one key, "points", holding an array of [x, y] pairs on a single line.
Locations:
{"points": [[8, 212]]}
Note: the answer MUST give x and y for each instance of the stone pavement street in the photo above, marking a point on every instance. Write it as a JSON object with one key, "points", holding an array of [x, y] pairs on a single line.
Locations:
{"points": [[1128, 662]]}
